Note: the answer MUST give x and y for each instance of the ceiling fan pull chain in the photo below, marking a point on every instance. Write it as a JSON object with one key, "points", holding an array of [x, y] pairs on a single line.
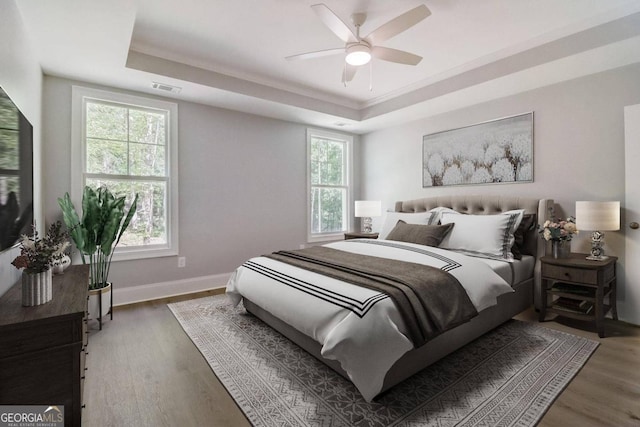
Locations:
{"points": [[344, 74], [370, 76]]}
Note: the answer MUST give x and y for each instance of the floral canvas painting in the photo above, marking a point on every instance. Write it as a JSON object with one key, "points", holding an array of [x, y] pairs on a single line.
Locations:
{"points": [[492, 152]]}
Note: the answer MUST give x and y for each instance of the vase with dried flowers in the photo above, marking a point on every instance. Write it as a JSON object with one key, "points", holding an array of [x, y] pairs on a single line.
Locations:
{"points": [[559, 233], [37, 254]]}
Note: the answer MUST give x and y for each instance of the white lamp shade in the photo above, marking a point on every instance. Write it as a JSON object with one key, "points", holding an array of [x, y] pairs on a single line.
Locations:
{"points": [[598, 216], [368, 208]]}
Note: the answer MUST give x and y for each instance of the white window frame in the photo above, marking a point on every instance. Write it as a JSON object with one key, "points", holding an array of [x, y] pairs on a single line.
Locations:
{"points": [[80, 96], [348, 139]]}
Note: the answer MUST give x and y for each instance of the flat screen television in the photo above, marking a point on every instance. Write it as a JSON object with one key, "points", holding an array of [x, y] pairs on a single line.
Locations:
{"points": [[16, 173]]}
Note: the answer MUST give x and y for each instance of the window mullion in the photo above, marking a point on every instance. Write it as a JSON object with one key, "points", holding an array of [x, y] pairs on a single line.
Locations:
{"points": [[127, 177], [329, 186], [128, 141]]}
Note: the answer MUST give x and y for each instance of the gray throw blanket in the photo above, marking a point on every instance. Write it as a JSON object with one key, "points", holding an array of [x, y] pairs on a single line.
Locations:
{"points": [[430, 300]]}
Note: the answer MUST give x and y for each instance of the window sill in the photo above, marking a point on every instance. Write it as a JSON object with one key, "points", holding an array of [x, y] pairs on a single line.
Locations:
{"points": [[133, 254]]}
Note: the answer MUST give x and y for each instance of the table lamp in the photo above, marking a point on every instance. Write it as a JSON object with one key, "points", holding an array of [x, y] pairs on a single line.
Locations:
{"points": [[598, 217], [366, 209]]}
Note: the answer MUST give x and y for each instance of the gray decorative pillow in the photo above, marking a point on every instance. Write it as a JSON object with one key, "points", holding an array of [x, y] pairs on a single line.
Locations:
{"points": [[429, 235], [528, 223]]}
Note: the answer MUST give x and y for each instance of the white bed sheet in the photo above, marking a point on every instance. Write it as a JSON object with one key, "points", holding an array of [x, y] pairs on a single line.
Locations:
{"points": [[515, 271], [351, 322]]}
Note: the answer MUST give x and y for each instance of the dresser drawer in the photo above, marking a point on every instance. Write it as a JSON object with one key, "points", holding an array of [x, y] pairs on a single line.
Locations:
{"points": [[570, 274], [24, 338]]}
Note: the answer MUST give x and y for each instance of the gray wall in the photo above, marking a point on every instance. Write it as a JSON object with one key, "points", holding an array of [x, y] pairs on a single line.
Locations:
{"points": [[578, 151], [21, 78], [242, 186]]}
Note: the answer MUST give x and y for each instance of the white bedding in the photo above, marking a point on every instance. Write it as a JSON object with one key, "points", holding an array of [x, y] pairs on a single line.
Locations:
{"points": [[350, 322], [515, 271]]}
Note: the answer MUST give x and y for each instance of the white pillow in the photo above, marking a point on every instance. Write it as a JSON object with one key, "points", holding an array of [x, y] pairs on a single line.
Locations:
{"points": [[441, 210], [519, 212], [392, 218], [489, 236]]}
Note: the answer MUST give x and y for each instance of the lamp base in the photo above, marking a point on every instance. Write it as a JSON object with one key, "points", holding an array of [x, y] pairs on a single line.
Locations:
{"points": [[597, 247], [367, 223]]}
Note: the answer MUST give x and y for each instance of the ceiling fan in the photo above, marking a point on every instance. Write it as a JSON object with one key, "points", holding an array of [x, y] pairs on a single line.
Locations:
{"points": [[360, 50]]}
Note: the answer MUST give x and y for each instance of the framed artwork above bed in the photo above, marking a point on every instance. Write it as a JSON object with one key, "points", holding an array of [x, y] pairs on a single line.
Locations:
{"points": [[497, 151]]}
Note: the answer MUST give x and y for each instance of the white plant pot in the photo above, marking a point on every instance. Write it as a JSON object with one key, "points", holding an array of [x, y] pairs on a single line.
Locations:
{"points": [[36, 288], [94, 302]]}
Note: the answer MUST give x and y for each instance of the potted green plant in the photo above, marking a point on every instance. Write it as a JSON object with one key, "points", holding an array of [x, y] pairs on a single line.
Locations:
{"points": [[104, 220]]}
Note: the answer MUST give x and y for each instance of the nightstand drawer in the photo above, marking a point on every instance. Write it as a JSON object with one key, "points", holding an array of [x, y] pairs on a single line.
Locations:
{"points": [[609, 273], [570, 274]]}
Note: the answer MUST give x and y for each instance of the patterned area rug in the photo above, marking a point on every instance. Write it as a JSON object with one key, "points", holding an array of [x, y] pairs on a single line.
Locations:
{"points": [[508, 377]]}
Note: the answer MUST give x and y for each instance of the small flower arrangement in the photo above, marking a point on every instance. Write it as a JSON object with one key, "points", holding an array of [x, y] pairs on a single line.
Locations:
{"points": [[558, 231], [37, 254]]}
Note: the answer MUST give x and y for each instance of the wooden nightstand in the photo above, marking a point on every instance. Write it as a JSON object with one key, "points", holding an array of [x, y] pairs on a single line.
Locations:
{"points": [[578, 287], [360, 235]]}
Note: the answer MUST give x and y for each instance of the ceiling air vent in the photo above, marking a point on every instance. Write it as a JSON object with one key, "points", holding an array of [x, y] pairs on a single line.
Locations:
{"points": [[166, 87]]}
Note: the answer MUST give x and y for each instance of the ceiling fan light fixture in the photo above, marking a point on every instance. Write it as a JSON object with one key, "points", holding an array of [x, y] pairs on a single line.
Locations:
{"points": [[358, 54]]}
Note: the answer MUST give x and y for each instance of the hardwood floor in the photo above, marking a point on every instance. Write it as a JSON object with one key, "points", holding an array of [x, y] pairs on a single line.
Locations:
{"points": [[145, 371], [606, 392]]}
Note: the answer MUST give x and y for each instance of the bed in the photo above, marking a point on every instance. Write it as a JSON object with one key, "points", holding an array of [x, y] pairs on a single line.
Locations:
{"points": [[358, 331]]}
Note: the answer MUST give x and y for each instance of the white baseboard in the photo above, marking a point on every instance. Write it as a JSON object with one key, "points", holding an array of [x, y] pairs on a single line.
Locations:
{"points": [[133, 294]]}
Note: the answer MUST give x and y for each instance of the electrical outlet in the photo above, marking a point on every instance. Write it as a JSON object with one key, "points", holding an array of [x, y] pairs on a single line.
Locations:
{"points": [[182, 261]]}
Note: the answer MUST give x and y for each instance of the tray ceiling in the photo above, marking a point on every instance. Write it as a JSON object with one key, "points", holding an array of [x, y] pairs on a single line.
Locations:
{"points": [[231, 53]]}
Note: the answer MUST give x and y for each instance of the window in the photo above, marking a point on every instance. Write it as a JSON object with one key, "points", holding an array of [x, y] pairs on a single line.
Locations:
{"points": [[329, 190], [129, 144]]}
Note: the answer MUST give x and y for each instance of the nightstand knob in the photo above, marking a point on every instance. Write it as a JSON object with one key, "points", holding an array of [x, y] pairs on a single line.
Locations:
{"points": [[634, 225]]}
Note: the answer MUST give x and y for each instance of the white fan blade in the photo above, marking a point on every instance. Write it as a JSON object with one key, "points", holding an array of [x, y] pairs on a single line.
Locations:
{"points": [[334, 23], [316, 54], [398, 25], [395, 55], [348, 73]]}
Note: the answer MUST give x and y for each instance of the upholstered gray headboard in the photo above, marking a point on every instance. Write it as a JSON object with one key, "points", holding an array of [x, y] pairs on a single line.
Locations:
{"points": [[487, 205]]}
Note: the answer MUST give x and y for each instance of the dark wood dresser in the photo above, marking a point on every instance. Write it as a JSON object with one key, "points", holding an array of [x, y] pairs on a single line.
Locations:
{"points": [[43, 348]]}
